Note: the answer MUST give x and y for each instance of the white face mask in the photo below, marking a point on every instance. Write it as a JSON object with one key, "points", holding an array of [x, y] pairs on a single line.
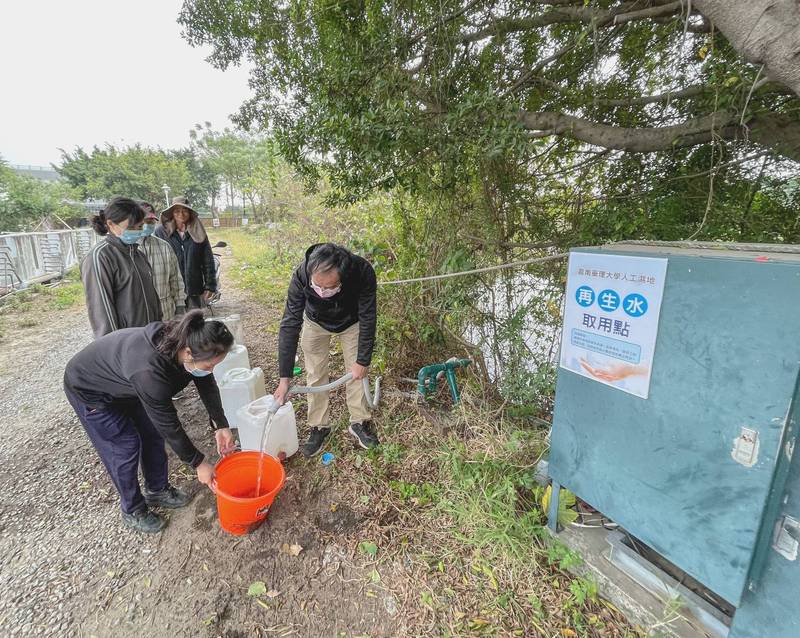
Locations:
{"points": [[196, 372], [325, 293]]}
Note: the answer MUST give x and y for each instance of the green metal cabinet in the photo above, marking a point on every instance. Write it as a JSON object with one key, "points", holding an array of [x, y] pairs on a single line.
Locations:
{"points": [[700, 469]]}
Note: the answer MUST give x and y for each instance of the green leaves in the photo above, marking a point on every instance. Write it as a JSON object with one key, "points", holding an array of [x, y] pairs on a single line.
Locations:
{"points": [[258, 588], [369, 548], [426, 101], [566, 501], [135, 171], [583, 590], [24, 201]]}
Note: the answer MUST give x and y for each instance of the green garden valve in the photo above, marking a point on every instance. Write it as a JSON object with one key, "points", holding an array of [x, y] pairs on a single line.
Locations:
{"points": [[428, 377]]}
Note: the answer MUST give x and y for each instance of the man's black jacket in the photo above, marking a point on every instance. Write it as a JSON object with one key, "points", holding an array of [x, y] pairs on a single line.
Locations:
{"points": [[355, 303]]}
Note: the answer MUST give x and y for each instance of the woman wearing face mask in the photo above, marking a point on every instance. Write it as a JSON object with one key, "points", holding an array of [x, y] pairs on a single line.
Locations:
{"points": [[164, 265], [121, 385], [117, 278]]}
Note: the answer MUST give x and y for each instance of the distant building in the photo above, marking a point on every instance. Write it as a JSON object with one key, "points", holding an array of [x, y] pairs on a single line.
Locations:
{"points": [[92, 205], [44, 173]]}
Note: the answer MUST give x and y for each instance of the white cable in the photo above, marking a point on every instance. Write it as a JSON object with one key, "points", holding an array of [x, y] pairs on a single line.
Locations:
{"points": [[513, 264]]}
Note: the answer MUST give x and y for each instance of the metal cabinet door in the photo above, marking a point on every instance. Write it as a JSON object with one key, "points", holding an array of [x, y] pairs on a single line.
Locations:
{"points": [[677, 470], [769, 607]]}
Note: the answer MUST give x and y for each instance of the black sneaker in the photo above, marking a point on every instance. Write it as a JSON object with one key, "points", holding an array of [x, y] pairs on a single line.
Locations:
{"points": [[171, 498], [364, 434], [144, 521], [315, 440]]}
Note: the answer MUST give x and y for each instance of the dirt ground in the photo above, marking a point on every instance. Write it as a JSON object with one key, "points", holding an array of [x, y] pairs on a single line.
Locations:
{"points": [[68, 568], [404, 541]]}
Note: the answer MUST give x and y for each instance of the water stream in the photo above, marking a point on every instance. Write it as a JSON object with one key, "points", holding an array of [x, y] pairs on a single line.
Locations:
{"points": [[261, 453]]}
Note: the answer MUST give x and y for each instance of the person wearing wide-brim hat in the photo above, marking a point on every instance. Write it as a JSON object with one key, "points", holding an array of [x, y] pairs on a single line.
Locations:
{"points": [[182, 228]]}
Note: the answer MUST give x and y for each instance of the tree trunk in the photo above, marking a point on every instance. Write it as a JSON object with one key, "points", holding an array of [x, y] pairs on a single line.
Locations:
{"points": [[763, 31]]}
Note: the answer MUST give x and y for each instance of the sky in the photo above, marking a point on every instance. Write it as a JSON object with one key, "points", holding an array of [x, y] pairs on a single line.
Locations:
{"points": [[86, 72]]}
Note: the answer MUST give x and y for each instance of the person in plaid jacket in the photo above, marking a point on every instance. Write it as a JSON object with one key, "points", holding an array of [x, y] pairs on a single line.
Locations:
{"points": [[167, 277]]}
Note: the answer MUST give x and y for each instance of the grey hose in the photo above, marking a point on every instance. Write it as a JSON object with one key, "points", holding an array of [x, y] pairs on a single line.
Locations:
{"points": [[372, 400]]}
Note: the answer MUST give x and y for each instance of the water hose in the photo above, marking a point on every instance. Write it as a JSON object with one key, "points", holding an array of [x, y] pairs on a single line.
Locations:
{"points": [[372, 399]]}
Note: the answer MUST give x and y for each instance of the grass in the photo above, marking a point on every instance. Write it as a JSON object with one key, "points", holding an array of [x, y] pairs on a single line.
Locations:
{"points": [[67, 295], [467, 516], [459, 511], [29, 307], [264, 260]]}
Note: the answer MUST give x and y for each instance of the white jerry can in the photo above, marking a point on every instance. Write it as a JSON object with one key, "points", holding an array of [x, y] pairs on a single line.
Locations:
{"points": [[239, 387], [281, 438], [237, 357], [234, 324]]}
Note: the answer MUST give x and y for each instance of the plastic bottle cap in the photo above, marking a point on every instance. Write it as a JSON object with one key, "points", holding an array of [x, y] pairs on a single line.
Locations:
{"points": [[327, 458]]}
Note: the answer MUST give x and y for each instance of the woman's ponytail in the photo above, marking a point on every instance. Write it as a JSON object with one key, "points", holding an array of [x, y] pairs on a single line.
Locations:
{"points": [[205, 339], [195, 322], [99, 223]]}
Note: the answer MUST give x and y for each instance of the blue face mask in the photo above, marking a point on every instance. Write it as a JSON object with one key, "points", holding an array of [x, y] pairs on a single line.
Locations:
{"points": [[130, 237], [148, 230], [197, 372]]}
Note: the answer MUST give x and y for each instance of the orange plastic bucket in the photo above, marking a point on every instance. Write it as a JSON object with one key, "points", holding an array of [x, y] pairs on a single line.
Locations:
{"points": [[240, 512]]}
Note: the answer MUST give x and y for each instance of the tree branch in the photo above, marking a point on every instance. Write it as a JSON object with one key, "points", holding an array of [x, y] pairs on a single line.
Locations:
{"points": [[764, 85], [558, 3], [733, 162], [510, 244], [531, 73], [689, 91], [650, 12], [595, 157], [775, 131], [566, 13], [703, 26], [449, 18], [561, 15]]}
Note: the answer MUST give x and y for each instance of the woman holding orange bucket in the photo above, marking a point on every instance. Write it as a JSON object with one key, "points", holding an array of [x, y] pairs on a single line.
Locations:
{"points": [[121, 387]]}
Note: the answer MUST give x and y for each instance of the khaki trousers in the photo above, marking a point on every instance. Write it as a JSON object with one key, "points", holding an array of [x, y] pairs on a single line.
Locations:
{"points": [[316, 344]]}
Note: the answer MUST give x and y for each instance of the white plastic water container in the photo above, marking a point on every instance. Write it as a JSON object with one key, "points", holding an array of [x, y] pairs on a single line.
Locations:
{"points": [[237, 357], [240, 387], [234, 324], [281, 439]]}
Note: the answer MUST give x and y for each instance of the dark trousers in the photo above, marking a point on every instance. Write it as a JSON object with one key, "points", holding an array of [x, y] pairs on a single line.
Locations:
{"points": [[124, 437], [195, 301]]}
